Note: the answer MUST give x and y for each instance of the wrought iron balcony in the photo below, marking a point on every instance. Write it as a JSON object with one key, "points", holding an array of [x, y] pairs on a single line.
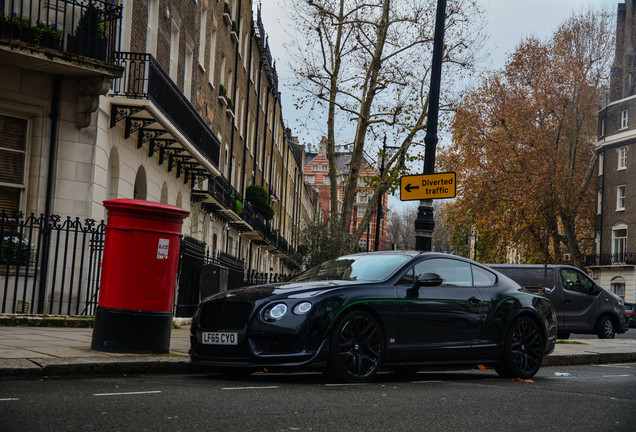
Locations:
{"points": [[89, 28], [621, 259], [144, 79]]}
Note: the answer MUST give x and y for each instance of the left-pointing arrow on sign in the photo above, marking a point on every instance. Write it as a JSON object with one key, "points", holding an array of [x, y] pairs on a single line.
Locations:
{"points": [[409, 188]]}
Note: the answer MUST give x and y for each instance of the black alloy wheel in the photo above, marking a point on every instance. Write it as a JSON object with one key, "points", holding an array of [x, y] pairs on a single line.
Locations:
{"points": [[605, 328], [523, 351], [356, 348]]}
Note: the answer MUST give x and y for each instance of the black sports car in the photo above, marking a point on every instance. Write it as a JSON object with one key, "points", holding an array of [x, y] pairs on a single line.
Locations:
{"points": [[358, 313]]}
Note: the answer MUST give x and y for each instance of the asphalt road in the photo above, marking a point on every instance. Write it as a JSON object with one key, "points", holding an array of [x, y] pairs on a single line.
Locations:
{"points": [[593, 398]]}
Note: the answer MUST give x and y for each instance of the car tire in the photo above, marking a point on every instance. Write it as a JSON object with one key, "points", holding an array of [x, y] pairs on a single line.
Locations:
{"points": [[523, 350], [356, 348], [605, 328]]}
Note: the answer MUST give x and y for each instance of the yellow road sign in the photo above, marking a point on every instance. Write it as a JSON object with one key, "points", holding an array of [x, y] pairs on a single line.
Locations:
{"points": [[428, 186]]}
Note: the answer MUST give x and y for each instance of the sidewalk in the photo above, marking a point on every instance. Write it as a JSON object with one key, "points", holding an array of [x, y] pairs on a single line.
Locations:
{"points": [[33, 352]]}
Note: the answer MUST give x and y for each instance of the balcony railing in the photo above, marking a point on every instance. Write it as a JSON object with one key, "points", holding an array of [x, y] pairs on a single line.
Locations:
{"points": [[626, 258], [145, 79], [90, 28]]}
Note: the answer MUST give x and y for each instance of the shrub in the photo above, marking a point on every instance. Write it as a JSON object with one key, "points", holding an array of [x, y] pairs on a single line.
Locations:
{"points": [[259, 198], [14, 249]]}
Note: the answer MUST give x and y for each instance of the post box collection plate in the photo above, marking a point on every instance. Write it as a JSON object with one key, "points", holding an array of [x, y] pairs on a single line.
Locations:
{"points": [[219, 338]]}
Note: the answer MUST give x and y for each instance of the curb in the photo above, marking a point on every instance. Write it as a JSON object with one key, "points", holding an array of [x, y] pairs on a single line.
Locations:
{"points": [[63, 368], [175, 365], [589, 358]]}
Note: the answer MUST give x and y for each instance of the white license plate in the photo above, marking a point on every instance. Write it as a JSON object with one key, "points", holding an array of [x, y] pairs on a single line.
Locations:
{"points": [[219, 338]]}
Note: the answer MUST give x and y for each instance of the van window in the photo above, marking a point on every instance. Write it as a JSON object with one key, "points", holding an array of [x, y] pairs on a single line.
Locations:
{"points": [[576, 281], [530, 277]]}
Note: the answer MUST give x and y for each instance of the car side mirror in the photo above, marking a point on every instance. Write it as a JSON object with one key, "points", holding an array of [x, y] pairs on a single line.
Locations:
{"points": [[428, 279]]}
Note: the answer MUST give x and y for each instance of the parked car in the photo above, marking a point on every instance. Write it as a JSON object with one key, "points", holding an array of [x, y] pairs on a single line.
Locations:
{"points": [[358, 313], [630, 311], [582, 306]]}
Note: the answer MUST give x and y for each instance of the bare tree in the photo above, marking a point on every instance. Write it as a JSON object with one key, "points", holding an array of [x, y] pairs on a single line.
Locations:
{"points": [[367, 62]]}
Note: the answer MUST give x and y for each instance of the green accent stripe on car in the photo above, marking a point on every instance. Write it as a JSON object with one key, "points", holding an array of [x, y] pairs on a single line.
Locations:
{"points": [[492, 314]]}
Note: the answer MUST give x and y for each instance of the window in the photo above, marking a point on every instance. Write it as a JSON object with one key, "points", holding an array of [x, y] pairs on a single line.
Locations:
{"points": [[364, 197], [326, 180], [620, 198], [13, 136], [601, 161], [151, 26], [187, 73], [618, 287], [576, 281], [212, 62], [310, 179], [174, 51], [599, 202], [624, 119], [453, 272], [619, 244], [202, 34], [622, 158], [601, 131], [483, 277]]}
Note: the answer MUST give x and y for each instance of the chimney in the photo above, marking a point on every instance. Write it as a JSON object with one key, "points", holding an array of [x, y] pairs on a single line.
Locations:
{"points": [[323, 147]]}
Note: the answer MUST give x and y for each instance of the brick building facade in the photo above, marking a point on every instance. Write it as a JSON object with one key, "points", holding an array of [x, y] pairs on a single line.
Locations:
{"points": [[317, 175], [614, 264]]}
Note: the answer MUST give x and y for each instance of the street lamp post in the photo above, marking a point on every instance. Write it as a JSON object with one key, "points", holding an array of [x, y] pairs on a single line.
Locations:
{"points": [[425, 222], [379, 215]]}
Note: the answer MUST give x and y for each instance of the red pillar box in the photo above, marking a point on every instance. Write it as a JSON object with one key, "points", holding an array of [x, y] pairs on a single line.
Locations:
{"points": [[139, 273]]}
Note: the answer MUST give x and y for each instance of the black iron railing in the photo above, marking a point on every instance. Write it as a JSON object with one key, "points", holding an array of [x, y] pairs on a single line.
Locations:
{"points": [[90, 28], [625, 258], [145, 79], [49, 266]]}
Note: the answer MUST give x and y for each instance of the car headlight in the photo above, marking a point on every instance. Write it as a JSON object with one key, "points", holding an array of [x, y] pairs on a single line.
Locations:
{"points": [[274, 312], [302, 308]]}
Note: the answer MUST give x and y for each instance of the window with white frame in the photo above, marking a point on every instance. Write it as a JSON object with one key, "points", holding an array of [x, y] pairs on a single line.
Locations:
{"points": [[618, 287], [602, 128], [202, 35], [174, 51], [620, 198], [311, 179], [151, 27], [212, 62], [619, 244], [187, 73], [601, 161], [13, 147], [624, 119], [622, 158], [599, 202]]}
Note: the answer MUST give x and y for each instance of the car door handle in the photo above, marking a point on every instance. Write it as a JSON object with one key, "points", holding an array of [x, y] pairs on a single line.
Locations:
{"points": [[474, 300], [566, 301]]}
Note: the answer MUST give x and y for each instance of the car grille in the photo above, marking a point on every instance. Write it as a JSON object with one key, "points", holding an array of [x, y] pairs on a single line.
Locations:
{"points": [[225, 315]]}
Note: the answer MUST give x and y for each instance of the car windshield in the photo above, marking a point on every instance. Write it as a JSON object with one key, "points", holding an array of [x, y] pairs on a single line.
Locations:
{"points": [[355, 267]]}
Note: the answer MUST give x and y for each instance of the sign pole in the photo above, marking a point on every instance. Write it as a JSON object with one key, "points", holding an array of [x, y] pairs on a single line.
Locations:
{"points": [[425, 221]]}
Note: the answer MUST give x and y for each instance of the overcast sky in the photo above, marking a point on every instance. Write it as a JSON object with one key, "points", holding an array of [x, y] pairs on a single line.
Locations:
{"points": [[509, 22]]}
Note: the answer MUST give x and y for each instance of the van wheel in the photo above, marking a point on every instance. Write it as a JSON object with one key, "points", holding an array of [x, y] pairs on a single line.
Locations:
{"points": [[605, 328]]}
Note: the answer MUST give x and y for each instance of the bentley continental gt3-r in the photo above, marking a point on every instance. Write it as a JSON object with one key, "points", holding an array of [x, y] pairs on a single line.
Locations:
{"points": [[395, 310]]}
